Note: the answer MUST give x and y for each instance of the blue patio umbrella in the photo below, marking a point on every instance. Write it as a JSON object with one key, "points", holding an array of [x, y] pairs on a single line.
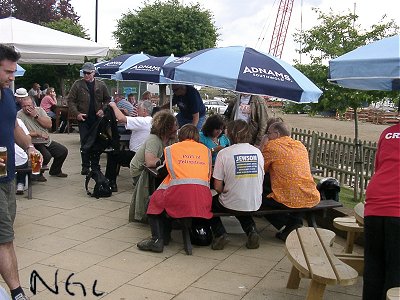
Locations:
{"points": [[375, 66], [244, 70], [118, 63], [20, 71], [148, 70]]}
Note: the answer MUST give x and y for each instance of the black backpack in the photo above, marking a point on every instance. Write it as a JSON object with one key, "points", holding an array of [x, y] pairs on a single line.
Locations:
{"points": [[102, 134], [101, 188]]}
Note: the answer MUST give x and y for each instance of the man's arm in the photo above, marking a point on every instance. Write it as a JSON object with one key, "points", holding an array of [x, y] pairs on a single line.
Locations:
{"points": [[218, 185], [196, 118], [118, 113], [21, 139]]}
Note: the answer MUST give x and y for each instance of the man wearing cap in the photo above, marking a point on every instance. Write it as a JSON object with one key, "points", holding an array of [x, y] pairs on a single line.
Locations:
{"points": [[86, 100], [19, 95]]}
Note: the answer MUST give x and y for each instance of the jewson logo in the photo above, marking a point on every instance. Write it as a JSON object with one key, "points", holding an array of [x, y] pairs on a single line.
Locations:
{"points": [[267, 74]]}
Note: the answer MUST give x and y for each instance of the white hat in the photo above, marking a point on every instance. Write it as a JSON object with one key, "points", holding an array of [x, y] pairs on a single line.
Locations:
{"points": [[21, 93]]}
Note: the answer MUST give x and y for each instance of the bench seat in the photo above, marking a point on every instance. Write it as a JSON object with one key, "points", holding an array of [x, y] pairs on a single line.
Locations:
{"points": [[309, 213]]}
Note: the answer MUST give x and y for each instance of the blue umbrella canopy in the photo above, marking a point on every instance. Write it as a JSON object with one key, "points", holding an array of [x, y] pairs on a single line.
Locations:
{"points": [[244, 70], [20, 71], [148, 70], [118, 63], [375, 66]]}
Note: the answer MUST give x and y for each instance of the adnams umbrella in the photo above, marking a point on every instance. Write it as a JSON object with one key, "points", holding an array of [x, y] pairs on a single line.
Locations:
{"points": [[118, 63], [375, 66], [148, 70], [244, 70]]}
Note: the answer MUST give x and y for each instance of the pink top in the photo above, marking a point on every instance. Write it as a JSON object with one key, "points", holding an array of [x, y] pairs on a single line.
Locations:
{"points": [[383, 191], [47, 103]]}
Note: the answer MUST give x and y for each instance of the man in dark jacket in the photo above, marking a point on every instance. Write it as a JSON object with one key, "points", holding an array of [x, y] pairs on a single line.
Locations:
{"points": [[87, 100]]}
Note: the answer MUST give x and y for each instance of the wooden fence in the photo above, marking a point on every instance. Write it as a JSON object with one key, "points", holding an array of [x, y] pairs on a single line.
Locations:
{"points": [[349, 162]]}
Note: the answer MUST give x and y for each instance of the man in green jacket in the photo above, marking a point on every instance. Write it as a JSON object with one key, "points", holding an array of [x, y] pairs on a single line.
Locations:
{"points": [[86, 100], [253, 110]]}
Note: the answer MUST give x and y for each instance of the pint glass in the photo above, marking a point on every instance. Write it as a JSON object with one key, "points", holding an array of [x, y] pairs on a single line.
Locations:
{"points": [[3, 155], [35, 163]]}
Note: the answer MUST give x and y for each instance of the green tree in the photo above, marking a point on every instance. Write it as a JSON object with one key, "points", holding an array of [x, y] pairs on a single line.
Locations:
{"points": [[168, 27], [336, 35], [37, 11]]}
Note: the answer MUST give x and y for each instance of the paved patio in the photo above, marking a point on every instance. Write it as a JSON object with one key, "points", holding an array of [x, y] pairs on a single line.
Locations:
{"points": [[63, 229]]}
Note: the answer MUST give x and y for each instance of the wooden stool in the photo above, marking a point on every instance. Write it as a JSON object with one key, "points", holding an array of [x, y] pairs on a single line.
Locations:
{"points": [[352, 227], [393, 294]]}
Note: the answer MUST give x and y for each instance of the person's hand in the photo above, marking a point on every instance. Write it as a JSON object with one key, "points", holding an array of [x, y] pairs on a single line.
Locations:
{"points": [[44, 135], [81, 117], [100, 113], [112, 104], [2, 162], [31, 111]]}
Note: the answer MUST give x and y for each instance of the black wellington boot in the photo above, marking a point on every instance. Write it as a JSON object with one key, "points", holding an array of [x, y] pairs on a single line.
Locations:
{"points": [[156, 242]]}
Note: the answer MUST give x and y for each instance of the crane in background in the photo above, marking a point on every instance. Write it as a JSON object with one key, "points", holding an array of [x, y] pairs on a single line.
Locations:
{"points": [[281, 27]]}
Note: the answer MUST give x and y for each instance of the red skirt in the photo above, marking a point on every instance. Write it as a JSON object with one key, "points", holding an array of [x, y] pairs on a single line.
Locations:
{"points": [[182, 201]]}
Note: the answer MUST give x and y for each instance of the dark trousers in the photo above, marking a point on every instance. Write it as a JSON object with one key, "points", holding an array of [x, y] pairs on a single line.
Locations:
{"points": [[280, 220], [56, 151], [20, 177], [381, 256], [116, 158], [88, 160], [218, 228]]}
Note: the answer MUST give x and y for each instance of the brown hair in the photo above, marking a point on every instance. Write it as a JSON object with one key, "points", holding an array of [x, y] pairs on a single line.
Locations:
{"points": [[163, 123], [49, 90], [239, 132], [188, 132]]}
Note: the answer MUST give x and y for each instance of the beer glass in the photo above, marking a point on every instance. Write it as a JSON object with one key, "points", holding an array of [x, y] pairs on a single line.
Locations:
{"points": [[3, 155], [35, 163]]}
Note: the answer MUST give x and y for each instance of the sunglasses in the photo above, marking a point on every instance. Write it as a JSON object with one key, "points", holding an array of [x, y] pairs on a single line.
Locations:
{"points": [[87, 73]]}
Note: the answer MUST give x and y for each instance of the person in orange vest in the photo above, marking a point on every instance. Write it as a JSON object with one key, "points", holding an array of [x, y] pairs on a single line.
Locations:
{"points": [[185, 192]]}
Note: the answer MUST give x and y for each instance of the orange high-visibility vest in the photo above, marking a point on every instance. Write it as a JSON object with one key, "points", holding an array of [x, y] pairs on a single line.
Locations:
{"points": [[187, 162]]}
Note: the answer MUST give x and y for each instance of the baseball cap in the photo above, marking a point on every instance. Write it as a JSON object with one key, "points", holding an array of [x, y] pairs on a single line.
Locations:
{"points": [[21, 93], [88, 67]]}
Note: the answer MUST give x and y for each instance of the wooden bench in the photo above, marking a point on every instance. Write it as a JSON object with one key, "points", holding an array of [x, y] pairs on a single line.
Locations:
{"points": [[309, 251], [352, 227], [308, 212]]}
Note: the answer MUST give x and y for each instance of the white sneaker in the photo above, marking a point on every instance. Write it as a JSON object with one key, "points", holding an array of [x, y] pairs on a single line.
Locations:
{"points": [[20, 188]]}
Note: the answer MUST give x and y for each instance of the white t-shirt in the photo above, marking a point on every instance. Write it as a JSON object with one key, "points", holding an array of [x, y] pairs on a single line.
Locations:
{"points": [[241, 167], [20, 155], [243, 110], [140, 127]]}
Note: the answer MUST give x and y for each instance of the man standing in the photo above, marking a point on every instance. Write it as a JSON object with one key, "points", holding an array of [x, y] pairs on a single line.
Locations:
{"points": [[140, 128], [86, 100], [253, 110], [10, 133], [38, 123], [191, 106]]}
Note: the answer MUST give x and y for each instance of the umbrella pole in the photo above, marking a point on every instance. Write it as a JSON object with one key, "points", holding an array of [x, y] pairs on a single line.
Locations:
{"points": [[170, 97]]}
